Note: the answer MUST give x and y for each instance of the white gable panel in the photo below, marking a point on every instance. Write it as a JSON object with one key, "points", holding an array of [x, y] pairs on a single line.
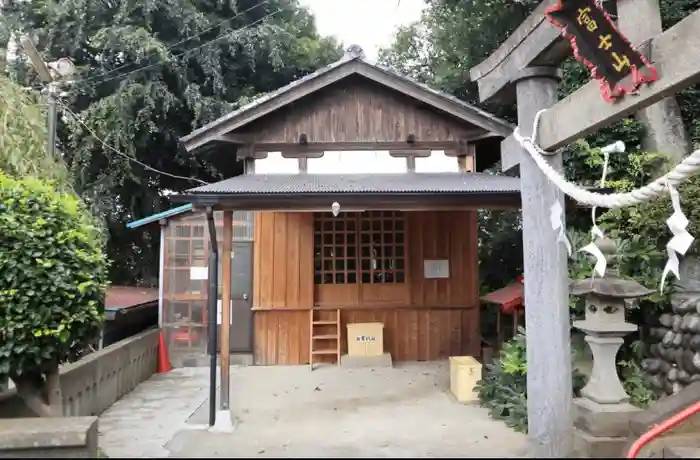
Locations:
{"points": [[356, 162], [437, 162], [275, 163]]}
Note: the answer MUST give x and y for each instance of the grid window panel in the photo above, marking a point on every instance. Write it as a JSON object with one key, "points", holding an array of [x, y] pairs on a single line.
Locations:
{"points": [[184, 313], [363, 247]]}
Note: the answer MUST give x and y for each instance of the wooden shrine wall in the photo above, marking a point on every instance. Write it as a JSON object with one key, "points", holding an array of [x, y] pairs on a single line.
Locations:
{"points": [[433, 318]]}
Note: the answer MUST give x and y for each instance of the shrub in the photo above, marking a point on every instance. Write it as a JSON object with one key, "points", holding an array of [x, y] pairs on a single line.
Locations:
{"points": [[52, 281], [503, 389]]}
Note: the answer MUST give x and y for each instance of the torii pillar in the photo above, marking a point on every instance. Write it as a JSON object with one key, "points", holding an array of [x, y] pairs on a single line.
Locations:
{"points": [[549, 385]]}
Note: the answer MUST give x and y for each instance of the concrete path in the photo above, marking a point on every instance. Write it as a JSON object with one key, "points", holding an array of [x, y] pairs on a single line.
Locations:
{"points": [[288, 411], [141, 423]]}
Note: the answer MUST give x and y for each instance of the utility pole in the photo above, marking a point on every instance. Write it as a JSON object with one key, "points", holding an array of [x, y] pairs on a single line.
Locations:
{"points": [[61, 68]]}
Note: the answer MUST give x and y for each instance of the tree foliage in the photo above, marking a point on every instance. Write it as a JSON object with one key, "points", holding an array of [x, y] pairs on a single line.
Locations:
{"points": [[23, 140], [151, 72], [53, 274]]}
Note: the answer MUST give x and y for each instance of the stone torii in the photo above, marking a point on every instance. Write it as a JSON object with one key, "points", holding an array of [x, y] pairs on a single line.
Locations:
{"points": [[536, 42], [525, 68]]}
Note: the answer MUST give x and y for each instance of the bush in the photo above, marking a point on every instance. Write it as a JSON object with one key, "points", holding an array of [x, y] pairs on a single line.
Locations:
{"points": [[53, 276], [503, 390]]}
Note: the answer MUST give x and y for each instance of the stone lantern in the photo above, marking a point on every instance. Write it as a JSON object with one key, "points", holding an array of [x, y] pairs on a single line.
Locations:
{"points": [[602, 411]]}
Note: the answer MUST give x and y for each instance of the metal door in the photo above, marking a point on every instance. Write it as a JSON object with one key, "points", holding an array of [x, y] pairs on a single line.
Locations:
{"points": [[241, 336]]}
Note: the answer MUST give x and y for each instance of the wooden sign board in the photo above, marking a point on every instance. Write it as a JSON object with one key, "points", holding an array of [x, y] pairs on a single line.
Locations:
{"points": [[619, 68]]}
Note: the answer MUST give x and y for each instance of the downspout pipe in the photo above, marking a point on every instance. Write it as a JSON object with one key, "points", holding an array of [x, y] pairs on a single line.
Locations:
{"points": [[212, 301]]}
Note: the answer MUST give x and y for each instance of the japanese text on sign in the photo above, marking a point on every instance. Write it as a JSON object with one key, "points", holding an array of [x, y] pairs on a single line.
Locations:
{"points": [[365, 338], [599, 45]]}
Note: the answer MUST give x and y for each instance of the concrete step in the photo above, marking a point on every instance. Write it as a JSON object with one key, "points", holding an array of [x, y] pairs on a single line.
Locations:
{"points": [[681, 452]]}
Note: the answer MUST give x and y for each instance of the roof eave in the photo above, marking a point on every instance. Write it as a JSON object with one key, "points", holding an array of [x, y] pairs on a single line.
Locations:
{"points": [[350, 200], [161, 215]]}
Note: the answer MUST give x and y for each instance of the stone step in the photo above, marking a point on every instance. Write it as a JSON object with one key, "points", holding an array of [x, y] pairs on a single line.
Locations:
{"points": [[681, 452]]}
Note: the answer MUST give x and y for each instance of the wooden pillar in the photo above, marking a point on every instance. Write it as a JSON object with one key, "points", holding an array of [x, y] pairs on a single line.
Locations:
{"points": [[226, 308], [549, 386], [639, 21]]}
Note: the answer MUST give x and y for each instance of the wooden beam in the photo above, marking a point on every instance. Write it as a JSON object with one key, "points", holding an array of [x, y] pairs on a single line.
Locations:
{"points": [[225, 343], [292, 148], [403, 153], [535, 42], [585, 112], [231, 138], [436, 100]]}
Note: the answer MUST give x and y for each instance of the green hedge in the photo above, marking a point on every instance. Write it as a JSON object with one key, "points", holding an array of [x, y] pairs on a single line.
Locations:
{"points": [[53, 274]]}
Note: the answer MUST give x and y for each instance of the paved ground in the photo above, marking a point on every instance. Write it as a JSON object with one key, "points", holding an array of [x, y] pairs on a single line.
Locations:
{"points": [[285, 411], [142, 422]]}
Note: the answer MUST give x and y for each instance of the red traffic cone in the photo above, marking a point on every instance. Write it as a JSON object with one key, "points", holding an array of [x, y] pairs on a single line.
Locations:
{"points": [[164, 365]]}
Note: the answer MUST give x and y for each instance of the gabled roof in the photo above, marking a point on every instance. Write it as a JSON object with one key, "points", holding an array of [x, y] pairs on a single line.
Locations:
{"points": [[352, 63]]}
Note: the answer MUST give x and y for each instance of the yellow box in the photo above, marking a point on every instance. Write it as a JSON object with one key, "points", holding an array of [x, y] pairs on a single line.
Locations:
{"points": [[365, 339], [465, 372]]}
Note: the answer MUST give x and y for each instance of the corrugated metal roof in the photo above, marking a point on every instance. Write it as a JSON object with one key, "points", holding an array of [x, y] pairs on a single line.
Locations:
{"points": [[129, 296], [361, 183]]}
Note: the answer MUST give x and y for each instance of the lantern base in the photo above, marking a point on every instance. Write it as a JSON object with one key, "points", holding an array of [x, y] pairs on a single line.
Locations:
{"points": [[601, 430]]}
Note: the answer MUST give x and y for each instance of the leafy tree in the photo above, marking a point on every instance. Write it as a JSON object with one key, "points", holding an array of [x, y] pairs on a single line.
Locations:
{"points": [[151, 72], [23, 139], [52, 282]]}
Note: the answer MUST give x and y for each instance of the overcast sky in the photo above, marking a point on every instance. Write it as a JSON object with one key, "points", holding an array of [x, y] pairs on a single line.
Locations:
{"points": [[368, 23]]}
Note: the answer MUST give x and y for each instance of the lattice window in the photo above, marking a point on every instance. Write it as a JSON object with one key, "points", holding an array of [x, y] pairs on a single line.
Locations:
{"points": [[359, 248]]}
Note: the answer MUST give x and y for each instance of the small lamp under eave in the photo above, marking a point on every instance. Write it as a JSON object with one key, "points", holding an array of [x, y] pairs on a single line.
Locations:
{"points": [[335, 208]]}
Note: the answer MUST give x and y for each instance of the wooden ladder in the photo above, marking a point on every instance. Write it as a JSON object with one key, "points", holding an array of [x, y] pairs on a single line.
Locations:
{"points": [[323, 341]]}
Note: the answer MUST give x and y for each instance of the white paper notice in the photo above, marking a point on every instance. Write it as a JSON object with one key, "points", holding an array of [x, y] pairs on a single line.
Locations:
{"points": [[218, 311], [436, 269], [199, 273]]}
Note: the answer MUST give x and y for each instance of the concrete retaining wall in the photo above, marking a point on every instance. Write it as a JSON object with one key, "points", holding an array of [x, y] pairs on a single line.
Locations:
{"points": [[97, 381]]}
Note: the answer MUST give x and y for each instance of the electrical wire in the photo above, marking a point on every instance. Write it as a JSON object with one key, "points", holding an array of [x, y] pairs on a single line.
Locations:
{"points": [[187, 52], [91, 82], [121, 154], [169, 48], [134, 160]]}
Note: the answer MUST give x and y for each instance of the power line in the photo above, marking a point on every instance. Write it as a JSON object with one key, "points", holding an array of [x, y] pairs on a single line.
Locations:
{"points": [[186, 52], [94, 80], [121, 154], [169, 48]]}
